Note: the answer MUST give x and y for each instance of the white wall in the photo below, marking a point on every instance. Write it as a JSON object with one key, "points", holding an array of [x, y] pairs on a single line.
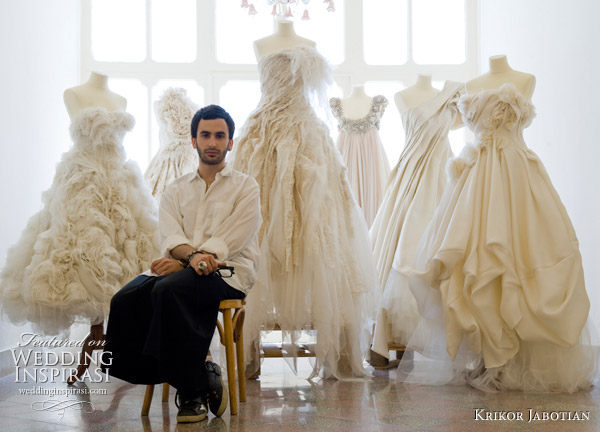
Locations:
{"points": [[40, 53], [557, 41]]}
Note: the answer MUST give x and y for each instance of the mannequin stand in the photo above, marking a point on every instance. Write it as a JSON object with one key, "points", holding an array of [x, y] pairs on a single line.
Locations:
{"points": [[94, 341]]}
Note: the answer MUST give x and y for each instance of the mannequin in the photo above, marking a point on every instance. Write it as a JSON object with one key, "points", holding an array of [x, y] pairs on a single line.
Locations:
{"points": [[501, 73], [358, 104], [420, 92], [284, 37], [93, 93]]}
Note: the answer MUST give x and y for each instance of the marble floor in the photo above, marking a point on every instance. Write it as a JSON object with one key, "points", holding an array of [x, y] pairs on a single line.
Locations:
{"points": [[279, 401]]}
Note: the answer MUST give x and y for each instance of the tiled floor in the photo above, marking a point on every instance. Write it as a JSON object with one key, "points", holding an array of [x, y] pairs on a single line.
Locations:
{"points": [[281, 402]]}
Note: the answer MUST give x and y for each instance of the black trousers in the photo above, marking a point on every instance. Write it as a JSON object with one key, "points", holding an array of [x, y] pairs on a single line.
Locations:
{"points": [[160, 329]]}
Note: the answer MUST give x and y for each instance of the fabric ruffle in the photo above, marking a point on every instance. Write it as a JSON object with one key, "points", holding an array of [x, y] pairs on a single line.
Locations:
{"points": [[176, 156], [97, 229], [315, 269]]}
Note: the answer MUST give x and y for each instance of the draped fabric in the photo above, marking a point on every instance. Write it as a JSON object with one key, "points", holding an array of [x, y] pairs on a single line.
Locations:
{"points": [[316, 271], [499, 267], [414, 190]]}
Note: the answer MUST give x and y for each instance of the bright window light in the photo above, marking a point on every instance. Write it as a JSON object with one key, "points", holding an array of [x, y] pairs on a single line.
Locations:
{"points": [[236, 31], [174, 30], [325, 28], [385, 21], [118, 31], [239, 107], [136, 141], [438, 31]]}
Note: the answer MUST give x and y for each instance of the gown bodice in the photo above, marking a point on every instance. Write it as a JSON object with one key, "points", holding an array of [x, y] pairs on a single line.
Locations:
{"points": [[371, 120]]}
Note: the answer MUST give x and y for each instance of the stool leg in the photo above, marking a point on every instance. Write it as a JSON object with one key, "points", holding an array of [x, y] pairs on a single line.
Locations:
{"points": [[165, 392], [147, 399], [239, 354], [228, 324]]}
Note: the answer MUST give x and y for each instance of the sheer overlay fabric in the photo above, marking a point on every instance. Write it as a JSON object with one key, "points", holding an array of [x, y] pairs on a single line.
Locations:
{"points": [[315, 271]]}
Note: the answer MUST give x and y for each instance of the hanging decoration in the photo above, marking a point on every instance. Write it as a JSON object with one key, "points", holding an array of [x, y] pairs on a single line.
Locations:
{"points": [[286, 8]]}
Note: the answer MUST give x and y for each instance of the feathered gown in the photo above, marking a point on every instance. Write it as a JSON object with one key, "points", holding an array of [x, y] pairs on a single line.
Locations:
{"points": [[176, 156], [498, 275], [98, 228], [414, 190], [316, 270]]}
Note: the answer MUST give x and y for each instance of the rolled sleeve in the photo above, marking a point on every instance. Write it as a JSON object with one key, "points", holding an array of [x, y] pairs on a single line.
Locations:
{"points": [[216, 246]]}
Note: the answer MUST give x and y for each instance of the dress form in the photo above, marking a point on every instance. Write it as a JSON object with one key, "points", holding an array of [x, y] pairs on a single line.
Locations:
{"points": [[358, 104], [93, 93], [501, 73], [420, 92], [284, 37]]}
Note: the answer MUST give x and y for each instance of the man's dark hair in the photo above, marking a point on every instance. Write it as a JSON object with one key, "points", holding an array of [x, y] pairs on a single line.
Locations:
{"points": [[212, 112]]}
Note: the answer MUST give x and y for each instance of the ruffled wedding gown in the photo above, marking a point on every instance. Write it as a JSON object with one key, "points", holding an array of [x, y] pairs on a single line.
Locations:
{"points": [[176, 156], [498, 276], [98, 228], [414, 190], [316, 271], [364, 156]]}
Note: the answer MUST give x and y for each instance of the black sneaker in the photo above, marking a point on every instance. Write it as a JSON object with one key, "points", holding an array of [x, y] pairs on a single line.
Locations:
{"points": [[191, 411], [217, 393]]}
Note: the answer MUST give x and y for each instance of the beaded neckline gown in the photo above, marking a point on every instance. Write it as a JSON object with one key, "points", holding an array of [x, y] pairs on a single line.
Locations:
{"points": [[414, 190], [98, 228], [364, 156], [498, 275], [315, 270]]}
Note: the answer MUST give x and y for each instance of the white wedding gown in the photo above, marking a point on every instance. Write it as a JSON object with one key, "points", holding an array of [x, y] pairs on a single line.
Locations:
{"points": [[363, 154], [98, 229], [316, 271], [414, 190], [176, 156], [498, 277]]}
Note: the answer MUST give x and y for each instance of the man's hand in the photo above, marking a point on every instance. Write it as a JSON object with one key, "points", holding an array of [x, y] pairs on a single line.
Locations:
{"points": [[165, 266], [211, 263]]}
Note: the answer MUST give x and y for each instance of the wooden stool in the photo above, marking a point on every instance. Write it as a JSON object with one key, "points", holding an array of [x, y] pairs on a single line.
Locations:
{"points": [[230, 332]]}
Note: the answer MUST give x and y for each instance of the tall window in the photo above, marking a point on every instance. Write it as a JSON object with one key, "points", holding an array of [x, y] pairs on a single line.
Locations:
{"points": [[205, 46]]}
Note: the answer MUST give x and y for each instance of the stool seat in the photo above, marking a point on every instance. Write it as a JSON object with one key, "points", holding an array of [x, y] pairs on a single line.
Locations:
{"points": [[230, 333]]}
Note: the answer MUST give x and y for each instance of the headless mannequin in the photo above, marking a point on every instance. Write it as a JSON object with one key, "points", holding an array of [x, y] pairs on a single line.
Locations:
{"points": [[358, 104], [93, 93], [284, 37], [501, 73], [420, 92]]}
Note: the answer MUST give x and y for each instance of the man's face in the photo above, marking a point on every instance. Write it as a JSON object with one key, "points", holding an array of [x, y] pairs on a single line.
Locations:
{"points": [[212, 141]]}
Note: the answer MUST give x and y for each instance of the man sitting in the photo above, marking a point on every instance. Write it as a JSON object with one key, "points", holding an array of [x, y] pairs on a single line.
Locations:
{"points": [[161, 323]]}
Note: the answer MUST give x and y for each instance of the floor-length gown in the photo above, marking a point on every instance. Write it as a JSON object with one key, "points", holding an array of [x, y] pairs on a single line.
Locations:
{"points": [[364, 156], [498, 275], [98, 228], [176, 156], [315, 270], [414, 190]]}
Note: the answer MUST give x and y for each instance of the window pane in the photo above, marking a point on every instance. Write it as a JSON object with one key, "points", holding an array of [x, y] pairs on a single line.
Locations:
{"points": [[136, 141], [390, 128], [118, 30], [236, 31], [239, 107], [325, 28], [174, 30], [438, 31], [385, 37], [193, 91]]}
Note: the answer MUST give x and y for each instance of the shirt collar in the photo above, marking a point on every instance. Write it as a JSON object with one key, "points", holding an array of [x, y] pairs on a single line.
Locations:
{"points": [[225, 172]]}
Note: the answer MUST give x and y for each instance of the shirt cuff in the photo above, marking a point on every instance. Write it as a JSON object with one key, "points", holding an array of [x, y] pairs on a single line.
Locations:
{"points": [[216, 246], [170, 243]]}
